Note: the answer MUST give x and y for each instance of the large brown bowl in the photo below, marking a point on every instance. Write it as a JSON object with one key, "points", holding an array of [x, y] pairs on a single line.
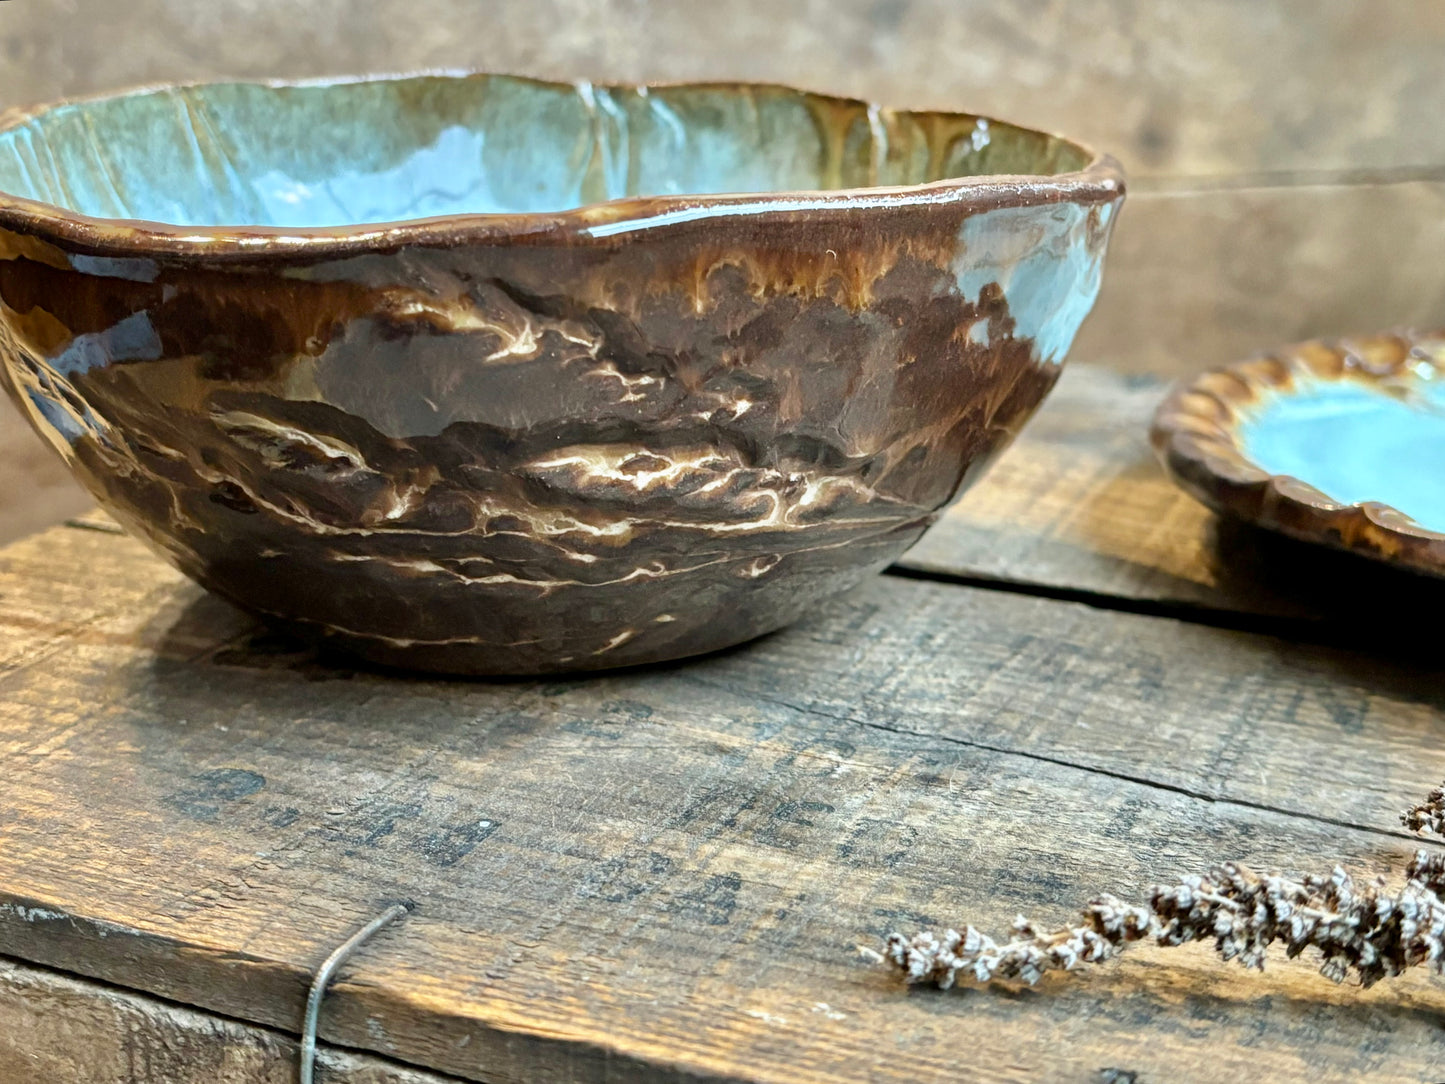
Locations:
{"points": [[487, 375]]}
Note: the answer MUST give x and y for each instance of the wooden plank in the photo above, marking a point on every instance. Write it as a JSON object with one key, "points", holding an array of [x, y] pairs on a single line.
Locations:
{"points": [[1080, 506], [57, 1029], [657, 874], [47, 612], [1202, 277], [1173, 87]]}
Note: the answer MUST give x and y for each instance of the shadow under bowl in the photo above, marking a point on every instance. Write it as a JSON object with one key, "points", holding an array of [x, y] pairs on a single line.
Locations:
{"points": [[487, 375]]}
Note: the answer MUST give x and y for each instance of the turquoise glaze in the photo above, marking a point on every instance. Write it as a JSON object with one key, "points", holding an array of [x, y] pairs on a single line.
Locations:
{"points": [[346, 154], [1355, 442], [1037, 259]]}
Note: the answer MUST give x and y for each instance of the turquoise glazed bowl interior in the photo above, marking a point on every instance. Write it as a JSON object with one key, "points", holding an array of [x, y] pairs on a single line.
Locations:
{"points": [[488, 375], [357, 153]]}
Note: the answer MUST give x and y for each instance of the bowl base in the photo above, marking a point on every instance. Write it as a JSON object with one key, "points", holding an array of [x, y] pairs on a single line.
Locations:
{"points": [[703, 634]]}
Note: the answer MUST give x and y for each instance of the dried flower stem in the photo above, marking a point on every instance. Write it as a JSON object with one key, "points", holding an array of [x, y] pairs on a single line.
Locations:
{"points": [[1361, 929], [1429, 815]]}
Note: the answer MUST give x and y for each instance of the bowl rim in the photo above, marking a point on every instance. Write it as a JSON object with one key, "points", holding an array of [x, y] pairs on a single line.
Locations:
{"points": [[1100, 180]]}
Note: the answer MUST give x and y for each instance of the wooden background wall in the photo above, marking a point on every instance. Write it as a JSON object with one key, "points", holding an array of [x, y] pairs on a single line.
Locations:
{"points": [[1287, 156]]}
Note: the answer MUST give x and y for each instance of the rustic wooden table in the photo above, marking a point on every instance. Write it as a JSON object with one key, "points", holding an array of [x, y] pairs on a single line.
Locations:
{"points": [[1079, 682]]}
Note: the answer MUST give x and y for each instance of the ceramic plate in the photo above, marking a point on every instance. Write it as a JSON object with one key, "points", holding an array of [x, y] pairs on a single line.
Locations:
{"points": [[1341, 443]]}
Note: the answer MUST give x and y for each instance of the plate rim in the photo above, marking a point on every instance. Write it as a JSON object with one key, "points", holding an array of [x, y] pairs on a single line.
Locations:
{"points": [[1195, 434]]}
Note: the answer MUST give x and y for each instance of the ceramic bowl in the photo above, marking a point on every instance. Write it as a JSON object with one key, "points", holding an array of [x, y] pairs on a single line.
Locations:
{"points": [[1336, 442], [488, 375]]}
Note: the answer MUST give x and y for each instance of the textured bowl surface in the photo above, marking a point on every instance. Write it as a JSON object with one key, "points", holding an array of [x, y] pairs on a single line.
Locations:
{"points": [[1339, 443], [487, 375]]}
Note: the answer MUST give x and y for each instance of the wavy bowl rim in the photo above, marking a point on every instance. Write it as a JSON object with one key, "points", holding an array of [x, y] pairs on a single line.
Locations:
{"points": [[1101, 180]]}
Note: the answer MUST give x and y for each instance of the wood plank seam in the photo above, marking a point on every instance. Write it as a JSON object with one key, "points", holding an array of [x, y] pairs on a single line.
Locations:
{"points": [[1194, 184], [1143, 781], [103, 526], [1294, 630]]}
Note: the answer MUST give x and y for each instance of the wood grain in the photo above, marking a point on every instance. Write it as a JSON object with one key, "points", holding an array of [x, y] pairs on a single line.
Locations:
{"points": [[1200, 277], [663, 874], [1080, 507], [57, 1029]]}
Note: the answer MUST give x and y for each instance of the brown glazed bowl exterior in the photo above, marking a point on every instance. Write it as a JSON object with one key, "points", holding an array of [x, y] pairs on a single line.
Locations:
{"points": [[511, 443]]}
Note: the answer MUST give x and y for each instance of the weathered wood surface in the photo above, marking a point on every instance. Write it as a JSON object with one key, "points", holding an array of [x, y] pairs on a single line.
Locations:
{"points": [[663, 874], [57, 1029], [1079, 506], [36, 488], [1201, 276]]}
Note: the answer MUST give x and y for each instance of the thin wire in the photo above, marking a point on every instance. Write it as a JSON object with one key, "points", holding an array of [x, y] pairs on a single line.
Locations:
{"points": [[323, 978]]}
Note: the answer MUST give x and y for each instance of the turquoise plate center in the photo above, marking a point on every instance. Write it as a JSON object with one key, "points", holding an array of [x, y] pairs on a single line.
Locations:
{"points": [[1355, 443]]}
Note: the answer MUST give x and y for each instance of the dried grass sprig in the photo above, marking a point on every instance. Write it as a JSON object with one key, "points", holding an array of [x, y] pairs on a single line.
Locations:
{"points": [[1363, 929], [1429, 815]]}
